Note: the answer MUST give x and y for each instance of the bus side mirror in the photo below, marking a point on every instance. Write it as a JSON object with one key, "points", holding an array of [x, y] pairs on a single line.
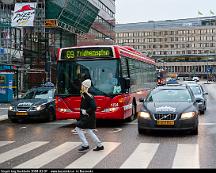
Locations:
{"points": [[127, 83]]}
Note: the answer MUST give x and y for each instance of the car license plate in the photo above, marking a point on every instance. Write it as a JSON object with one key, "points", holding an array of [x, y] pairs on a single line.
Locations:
{"points": [[165, 123], [21, 113]]}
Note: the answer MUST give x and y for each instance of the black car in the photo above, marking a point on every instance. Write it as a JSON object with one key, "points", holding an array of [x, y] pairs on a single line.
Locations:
{"points": [[201, 96], [36, 104], [167, 107]]}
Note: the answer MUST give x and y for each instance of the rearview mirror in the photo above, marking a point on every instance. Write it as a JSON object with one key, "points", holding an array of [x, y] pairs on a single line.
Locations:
{"points": [[127, 83]]}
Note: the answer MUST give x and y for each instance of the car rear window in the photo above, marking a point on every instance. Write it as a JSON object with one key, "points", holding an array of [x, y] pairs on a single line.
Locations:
{"points": [[170, 95]]}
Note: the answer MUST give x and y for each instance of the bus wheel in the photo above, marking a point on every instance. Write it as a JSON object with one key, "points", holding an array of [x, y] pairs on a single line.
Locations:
{"points": [[133, 115]]}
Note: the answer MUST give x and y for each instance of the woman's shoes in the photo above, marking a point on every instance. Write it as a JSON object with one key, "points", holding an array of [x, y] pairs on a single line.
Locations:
{"points": [[83, 148], [98, 148]]}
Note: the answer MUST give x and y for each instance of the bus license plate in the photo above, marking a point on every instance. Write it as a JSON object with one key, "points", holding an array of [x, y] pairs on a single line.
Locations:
{"points": [[165, 123], [22, 113]]}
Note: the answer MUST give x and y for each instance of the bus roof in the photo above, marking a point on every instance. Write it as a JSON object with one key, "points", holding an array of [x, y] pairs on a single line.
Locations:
{"points": [[118, 51]]}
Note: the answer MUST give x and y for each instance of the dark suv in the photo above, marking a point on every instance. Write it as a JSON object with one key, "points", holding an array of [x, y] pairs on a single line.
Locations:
{"points": [[36, 104], [170, 107]]}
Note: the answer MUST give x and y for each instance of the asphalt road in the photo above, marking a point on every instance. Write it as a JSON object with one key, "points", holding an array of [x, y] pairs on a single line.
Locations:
{"points": [[54, 145]]}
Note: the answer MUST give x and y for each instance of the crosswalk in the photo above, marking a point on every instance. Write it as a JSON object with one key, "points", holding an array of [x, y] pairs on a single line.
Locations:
{"points": [[186, 155]]}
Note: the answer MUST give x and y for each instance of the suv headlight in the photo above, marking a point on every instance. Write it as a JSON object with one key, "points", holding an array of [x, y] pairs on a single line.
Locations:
{"points": [[11, 108], [188, 115], [40, 107], [144, 115]]}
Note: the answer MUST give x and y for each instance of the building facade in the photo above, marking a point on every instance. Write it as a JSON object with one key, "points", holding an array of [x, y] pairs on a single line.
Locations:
{"points": [[102, 30], [186, 47], [57, 24]]}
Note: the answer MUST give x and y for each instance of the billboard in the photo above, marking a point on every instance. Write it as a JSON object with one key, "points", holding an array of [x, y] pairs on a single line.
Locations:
{"points": [[24, 14]]}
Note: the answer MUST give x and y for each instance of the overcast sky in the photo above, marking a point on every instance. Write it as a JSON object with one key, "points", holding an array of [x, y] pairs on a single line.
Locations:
{"points": [[132, 11]]}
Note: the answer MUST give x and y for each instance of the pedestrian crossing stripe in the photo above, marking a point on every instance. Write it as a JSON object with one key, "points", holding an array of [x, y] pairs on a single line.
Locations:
{"points": [[20, 150], [90, 159], [49, 156], [186, 155], [189, 151], [2, 143], [142, 156]]}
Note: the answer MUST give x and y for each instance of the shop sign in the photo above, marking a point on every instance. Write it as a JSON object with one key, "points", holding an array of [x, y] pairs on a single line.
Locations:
{"points": [[24, 14], [50, 23]]}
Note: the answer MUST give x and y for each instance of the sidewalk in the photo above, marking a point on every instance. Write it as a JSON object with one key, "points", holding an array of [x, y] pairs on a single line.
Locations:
{"points": [[4, 105]]}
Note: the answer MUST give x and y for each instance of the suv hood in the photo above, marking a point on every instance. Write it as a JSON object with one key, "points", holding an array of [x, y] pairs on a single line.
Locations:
{"points": [[29, 102], [168, 107]]}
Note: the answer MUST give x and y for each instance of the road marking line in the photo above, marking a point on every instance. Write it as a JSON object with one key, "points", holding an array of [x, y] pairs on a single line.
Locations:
{"points": [[90, 159], [49, 156], [2, 143], [207, 124], [187, 156], [20, 150], [3, 117], [142, 156], [70, 121]]}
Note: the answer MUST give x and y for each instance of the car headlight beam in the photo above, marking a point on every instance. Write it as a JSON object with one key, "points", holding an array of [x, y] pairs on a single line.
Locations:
{"points": [[11, 108], [144, 115], [40, 107], [188, 115]]}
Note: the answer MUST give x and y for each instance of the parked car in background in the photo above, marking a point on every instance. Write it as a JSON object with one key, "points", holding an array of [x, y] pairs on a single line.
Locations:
{"points": [[36, 104], [200, 95], [170, 107], [196, 79]]}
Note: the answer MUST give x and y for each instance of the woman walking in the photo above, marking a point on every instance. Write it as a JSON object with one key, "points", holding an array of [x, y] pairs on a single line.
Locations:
{"points": [[87, 118]]}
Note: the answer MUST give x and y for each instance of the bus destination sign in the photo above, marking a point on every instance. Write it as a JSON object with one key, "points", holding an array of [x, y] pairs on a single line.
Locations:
{"points": [[94, 52]]}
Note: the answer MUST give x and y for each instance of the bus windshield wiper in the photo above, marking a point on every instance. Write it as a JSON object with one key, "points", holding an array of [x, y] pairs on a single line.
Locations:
{"points": [[97, 90], [66, 95]]}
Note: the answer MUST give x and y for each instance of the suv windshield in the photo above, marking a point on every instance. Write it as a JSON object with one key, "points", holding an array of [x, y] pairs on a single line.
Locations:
{"points": [[196, 90], [39, 93], [104, 75], [170, 95]]}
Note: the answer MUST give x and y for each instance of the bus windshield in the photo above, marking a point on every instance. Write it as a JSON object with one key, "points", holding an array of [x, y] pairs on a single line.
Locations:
{"points": [[104, 75]]}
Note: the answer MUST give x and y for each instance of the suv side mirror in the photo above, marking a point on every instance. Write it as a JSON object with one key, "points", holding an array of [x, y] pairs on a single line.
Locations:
{"points": [[141, 99]]}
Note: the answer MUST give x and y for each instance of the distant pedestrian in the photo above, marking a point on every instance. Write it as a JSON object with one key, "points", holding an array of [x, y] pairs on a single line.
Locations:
{"points": [[87, 119]]}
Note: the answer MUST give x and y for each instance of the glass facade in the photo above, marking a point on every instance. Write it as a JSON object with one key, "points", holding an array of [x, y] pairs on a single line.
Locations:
{"points": [[103, 28]]}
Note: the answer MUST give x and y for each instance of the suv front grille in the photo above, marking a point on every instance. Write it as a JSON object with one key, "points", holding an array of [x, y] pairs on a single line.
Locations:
{"points": [[164, 116], [19, 108]]}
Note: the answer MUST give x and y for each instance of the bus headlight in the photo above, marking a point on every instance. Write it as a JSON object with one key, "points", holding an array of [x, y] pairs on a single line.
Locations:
{"points": [[110, 109], [188, 115], [144, 115], [64, 110]]}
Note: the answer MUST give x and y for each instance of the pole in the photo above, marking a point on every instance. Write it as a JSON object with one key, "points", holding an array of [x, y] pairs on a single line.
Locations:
{"points": [[17, 78], [207, 71]]}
